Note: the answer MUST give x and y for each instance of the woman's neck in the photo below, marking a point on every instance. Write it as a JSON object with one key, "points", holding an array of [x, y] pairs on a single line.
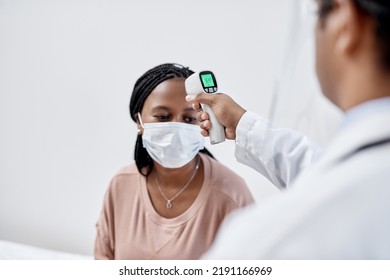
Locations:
{"points": [[175, 178]]}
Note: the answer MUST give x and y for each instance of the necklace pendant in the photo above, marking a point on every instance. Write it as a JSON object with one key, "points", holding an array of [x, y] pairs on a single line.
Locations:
{"points": [[169, 204]]}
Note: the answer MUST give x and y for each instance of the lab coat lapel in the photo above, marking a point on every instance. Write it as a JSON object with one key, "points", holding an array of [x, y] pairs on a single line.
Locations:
{"points": [[351, 139], [346, 143]]}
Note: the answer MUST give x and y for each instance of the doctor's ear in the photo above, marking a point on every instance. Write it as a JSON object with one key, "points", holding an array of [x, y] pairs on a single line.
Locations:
{"points": [[347, 25]]}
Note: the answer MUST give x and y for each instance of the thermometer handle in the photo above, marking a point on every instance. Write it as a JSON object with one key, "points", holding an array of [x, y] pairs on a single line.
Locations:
{"points": [[217, 131], [205, 81]]}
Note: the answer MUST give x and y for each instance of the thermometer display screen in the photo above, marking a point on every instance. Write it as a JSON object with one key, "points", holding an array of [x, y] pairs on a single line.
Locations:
{"points": [[209, 83], [207, 80]]}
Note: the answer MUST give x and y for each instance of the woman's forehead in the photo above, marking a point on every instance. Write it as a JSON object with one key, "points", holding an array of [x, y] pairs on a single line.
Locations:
{"points": [[170, 94], [175, 84], [169, 89]]}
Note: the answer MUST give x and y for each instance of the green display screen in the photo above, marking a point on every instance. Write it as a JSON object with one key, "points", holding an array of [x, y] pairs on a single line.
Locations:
{"points": [[207, 80]]}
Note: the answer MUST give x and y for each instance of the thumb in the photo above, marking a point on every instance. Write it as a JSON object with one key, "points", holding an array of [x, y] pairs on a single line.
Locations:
{"points": [[203, 98]]}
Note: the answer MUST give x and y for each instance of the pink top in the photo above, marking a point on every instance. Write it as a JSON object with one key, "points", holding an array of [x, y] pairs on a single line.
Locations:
{"points": [[130, 228]]}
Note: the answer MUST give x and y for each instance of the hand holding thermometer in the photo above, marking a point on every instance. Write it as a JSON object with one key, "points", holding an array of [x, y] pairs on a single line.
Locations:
{"points": [[205, 81]]}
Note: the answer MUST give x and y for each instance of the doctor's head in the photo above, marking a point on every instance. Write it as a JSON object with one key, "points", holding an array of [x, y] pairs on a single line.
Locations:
{"points": [[353, 50], [164, 119]]}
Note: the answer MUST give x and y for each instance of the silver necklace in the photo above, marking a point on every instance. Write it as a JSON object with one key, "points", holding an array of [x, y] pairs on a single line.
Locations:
{"points": [[169, 200]]}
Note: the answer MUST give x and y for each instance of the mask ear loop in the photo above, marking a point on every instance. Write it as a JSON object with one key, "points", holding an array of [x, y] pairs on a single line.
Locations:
{"points": [[141, 123], [140, 120]]}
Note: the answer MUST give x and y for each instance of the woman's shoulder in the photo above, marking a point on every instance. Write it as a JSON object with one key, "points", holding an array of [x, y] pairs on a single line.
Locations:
{"points": [[129, 169], [125, 173], [125, 180], [219, 171], [124, 185], [222, 180]]}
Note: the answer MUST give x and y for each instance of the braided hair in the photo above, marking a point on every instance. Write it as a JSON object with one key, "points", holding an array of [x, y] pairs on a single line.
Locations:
{"points": [[142, 89]]}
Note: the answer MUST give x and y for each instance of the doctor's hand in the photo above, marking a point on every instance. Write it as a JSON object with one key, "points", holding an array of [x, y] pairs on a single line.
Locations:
{"points": [[227, 111]]}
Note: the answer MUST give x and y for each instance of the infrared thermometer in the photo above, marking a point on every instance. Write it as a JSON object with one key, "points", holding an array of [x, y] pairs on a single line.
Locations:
{"points": [[205, 82]]}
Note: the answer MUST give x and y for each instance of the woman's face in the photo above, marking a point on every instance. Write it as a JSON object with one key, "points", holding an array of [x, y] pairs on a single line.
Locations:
{"points": [[166, 103]]}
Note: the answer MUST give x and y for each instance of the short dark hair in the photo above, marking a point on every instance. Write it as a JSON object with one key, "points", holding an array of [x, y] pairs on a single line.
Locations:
{"points": [[379, 11], [142, 89]]}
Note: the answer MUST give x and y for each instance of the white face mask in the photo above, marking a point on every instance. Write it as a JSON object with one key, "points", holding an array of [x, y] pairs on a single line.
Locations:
{"points": [[171, 144]]}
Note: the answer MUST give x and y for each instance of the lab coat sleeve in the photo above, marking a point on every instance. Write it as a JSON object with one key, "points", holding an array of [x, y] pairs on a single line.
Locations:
{"points": [[277, 153]]}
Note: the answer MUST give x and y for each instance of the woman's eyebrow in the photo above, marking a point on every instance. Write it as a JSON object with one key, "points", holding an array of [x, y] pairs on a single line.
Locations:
{"points": [[189, 109], [161, 107], [166, 108]]}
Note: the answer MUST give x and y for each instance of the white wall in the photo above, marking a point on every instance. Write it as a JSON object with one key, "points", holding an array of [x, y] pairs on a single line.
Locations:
{"points": [[67, 69], [298, 102]]}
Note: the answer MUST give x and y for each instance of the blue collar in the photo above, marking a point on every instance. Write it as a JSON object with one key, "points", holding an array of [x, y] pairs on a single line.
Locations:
{"points": [[365, 109]]}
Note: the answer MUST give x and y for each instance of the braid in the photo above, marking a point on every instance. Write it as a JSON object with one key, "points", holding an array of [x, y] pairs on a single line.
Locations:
{"points": [[151, 79], [142, 89]]}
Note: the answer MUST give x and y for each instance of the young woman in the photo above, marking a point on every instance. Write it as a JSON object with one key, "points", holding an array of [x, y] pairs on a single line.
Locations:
{"points": [[171, 201]]}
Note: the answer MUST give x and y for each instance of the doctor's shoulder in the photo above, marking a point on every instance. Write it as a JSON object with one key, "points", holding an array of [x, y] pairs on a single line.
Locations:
{"points": [[226, 183]]}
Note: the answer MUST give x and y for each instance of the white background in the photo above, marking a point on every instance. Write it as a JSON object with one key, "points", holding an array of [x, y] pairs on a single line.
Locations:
{"points": [[67, 69]]}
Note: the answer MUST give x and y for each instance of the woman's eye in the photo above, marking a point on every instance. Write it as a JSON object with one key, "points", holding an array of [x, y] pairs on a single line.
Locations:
{"points": [[190, 119], [162, 117]]}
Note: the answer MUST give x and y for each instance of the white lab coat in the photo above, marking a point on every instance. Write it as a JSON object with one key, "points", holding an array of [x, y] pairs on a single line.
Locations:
{"points": [[338, 208]]}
